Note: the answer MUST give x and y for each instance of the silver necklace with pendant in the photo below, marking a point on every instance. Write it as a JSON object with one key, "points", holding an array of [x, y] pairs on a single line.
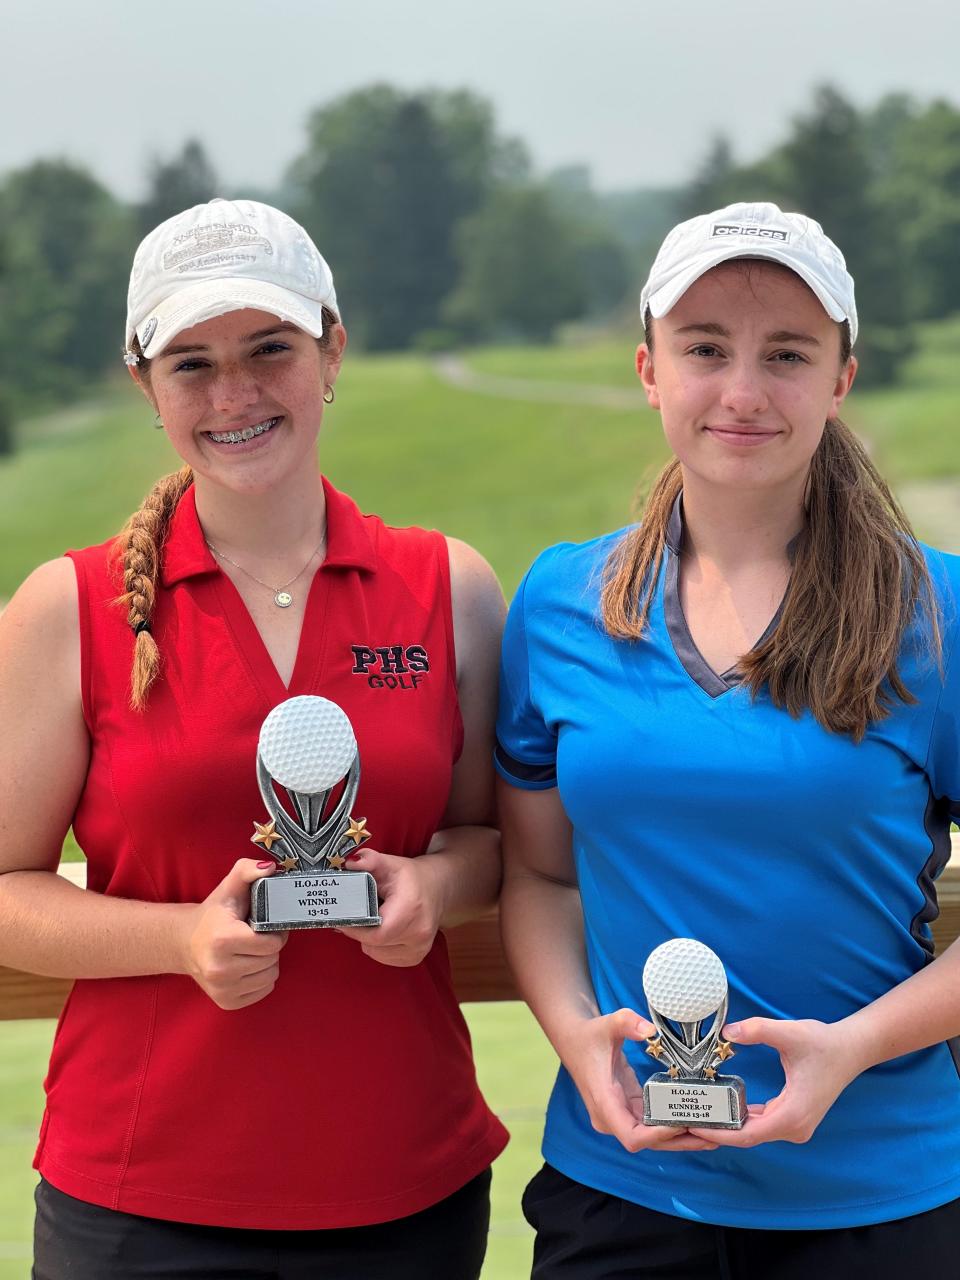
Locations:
{"points": [[281, 596]]}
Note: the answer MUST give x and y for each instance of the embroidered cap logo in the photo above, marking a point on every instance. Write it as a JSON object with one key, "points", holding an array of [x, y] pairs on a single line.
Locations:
{"points": [[214, 245], [738, 229]]}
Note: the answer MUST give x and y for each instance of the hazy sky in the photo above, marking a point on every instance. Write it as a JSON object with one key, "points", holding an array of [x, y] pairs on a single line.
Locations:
{"points": [[633, 89]]}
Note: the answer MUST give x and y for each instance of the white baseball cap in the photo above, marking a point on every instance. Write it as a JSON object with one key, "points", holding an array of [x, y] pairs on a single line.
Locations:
{"points": [[224, 256], [758, 230]]}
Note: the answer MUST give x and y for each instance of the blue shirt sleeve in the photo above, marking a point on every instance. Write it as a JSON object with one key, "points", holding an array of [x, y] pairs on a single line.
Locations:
{"points": [[526, 751]]}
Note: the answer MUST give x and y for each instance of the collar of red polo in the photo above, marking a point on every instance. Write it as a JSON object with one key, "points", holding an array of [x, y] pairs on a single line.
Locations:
{"points": [[349, 544]]}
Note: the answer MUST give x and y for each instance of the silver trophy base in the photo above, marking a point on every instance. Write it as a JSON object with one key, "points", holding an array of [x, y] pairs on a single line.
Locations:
{"points": [[720, 1103], [313, 900]]}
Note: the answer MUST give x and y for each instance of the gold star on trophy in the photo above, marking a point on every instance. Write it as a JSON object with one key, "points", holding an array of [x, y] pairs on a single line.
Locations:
{"points": [[288, 864], [357, 830], [725, 1050], [654, 1047], [336, 860], [710, 1073], [673, 1071], [266, 834]]}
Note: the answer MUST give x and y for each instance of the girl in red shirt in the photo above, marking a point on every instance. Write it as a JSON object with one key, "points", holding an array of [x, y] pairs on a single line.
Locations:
{"points": [[221, 1101]]}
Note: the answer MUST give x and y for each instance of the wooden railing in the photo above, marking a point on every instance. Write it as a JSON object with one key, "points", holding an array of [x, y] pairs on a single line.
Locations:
{"points": [[479, 969]]}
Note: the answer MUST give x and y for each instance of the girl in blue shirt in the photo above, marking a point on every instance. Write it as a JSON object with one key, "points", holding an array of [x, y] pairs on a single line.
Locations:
{"points": [[737, 722]]}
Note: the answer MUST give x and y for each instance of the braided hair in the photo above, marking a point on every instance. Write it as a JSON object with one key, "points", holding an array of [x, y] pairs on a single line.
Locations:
{"points": [[139, 545]]}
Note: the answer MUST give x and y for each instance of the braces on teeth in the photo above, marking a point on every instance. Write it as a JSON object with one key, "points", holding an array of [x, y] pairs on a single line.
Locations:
{"points": [[235, 437]]}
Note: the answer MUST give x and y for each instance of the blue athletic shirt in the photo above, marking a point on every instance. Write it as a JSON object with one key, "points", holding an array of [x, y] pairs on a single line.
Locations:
{"points": [[804, 860]]}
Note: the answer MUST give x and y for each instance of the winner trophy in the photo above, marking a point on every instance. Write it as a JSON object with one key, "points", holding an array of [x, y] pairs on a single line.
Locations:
{"points": [[685, 984], [307, 746]]}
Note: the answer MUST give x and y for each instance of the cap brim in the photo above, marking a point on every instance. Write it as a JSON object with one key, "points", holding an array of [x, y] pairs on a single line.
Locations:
{"points": [[204, 301], [668, 295]]}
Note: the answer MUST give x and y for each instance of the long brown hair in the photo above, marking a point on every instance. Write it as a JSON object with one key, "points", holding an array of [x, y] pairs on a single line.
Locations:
{"points": [[858, 580], [139, 546]]}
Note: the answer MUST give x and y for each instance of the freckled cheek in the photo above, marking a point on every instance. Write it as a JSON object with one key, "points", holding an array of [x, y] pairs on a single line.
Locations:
{"points": [[178, 413], [179, 396], [294, 390]]}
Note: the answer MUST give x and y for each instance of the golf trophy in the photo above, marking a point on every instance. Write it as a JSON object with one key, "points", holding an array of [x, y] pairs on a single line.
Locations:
{"points": [[685, 985], [307, 747]]}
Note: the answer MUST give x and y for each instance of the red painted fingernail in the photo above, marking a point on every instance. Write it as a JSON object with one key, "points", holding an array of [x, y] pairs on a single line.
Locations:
{"points": [[353, 857], [264, 866]]}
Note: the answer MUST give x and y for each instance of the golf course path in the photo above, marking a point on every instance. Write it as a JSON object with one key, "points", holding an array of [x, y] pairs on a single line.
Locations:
{"points": [[453, 370]]}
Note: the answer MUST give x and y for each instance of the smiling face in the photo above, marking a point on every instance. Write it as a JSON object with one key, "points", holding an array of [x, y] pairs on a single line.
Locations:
{"points": [[241, 397], [745, 371]]}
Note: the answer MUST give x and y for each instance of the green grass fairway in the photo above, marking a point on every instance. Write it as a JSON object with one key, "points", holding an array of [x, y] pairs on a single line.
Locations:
{"points": [[607, 362], [516, 1067], [509, 476], [913, 426], [24, 1047]]}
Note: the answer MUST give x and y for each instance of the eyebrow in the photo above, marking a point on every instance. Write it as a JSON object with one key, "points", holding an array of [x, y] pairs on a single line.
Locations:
{"points": [[779, 335], [716, 330], [788, 335], [282, 327]]}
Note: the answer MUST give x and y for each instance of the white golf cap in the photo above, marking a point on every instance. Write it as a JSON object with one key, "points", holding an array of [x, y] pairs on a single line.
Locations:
{"points": [[225, 256], [750, 231]]}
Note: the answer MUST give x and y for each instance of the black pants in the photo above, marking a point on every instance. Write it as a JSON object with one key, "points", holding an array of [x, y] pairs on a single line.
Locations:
{"points": [[74, 1240], [584, 1234]]}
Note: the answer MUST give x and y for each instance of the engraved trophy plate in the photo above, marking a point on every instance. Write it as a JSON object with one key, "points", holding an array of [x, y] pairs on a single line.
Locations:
{"points": [[307, 747], [685, 984], [317, 900]]}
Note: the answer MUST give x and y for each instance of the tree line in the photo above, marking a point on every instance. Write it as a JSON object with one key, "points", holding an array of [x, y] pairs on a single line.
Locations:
{"points": [[439, 231]]}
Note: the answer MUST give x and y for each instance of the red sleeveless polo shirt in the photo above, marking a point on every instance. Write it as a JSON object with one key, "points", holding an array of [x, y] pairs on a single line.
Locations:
{"points": [[348, 1095]]}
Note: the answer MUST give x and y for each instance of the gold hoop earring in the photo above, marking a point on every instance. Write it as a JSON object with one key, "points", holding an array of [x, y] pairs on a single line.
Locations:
{"points": [[328, 396]]}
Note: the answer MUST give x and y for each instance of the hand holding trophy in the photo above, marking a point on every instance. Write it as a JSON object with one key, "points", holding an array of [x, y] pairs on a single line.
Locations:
{"points": [[685, 984], [307, 746]]}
